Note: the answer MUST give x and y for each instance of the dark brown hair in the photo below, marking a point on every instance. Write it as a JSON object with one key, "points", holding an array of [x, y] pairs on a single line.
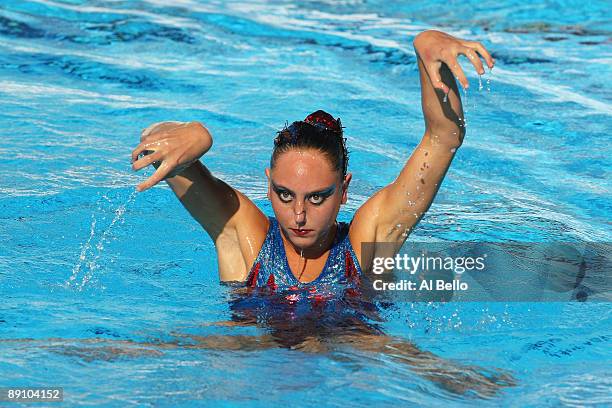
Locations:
{"points": [[319, 131]]}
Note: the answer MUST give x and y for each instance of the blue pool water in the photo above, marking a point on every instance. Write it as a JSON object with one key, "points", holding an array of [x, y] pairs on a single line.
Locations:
{"points": [[93, 275]]}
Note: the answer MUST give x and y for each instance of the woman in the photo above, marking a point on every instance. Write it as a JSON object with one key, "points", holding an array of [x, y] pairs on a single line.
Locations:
{"points": [[303, 250], [308, 181]]}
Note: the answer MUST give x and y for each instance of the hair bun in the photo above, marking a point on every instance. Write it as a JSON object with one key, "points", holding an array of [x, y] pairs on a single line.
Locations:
{"points": [[325, 119]]}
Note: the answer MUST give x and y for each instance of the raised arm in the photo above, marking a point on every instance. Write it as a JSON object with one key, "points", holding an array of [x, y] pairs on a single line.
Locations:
{"points": [[391, 214], [230, 218]]}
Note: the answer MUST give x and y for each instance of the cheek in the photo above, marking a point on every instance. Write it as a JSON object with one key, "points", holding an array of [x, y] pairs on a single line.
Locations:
{"points": [[283, 211], [324, 211]]}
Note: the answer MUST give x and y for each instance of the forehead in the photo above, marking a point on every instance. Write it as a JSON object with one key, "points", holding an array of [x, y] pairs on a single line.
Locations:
{"points": [[303, 170]]}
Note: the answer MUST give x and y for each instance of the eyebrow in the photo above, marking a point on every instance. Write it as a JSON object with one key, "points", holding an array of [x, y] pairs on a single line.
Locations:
{"points": [[325, 192]]}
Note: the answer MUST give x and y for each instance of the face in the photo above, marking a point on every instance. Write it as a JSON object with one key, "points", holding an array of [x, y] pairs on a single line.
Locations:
{"points": [[306, 194]]}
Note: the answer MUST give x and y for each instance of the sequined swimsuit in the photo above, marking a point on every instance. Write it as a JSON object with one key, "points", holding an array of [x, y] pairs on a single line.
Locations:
{"points": [[271, 268], [293, 310]]}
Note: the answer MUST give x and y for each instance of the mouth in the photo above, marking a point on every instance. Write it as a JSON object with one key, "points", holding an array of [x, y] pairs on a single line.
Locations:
{"points": [[301, 232]]}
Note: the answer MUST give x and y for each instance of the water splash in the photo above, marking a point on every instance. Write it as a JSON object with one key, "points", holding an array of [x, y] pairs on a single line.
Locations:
{"points": [[90, 254], [85, 248]]}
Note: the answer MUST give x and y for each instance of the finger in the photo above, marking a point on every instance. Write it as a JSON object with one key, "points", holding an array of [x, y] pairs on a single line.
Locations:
{"points": [[482, 51], [457, 71], [146, 160], [433, 70], [138, 150], [145, 145], [158, 176], [474, 59]]}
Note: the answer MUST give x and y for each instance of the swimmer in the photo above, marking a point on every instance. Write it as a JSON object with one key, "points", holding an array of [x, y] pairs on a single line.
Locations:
{"points": [[308, 181], [302, 248]]}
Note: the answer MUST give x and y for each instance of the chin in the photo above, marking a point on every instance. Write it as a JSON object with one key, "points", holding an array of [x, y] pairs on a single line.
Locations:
{"points": [[302, 243]]}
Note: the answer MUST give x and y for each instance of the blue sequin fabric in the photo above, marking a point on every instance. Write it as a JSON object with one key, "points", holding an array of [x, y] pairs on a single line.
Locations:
{"points": [[271, 268], [295, 310]]}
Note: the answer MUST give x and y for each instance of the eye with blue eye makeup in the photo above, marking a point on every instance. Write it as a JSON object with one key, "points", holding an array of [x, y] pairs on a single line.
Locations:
{"points": [[315, 197]]}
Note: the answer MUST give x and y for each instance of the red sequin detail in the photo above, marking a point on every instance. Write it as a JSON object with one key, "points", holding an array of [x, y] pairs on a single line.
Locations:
{"points": [[317, 117], [319, 300], [272, 283], [352, 292], [350, 269], [252, 279]]}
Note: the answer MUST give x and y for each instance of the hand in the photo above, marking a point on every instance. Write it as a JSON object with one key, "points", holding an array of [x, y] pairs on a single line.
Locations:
{"points": [[171, 147], [436, 47]]}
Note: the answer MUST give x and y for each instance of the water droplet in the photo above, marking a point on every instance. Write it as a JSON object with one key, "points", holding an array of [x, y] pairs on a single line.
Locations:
{"points": [[453, 150], [445, 98], [480, 82]]}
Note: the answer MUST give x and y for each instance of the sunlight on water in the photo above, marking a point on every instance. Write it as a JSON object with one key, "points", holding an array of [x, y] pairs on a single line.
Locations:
{"points": [[115, 296]]}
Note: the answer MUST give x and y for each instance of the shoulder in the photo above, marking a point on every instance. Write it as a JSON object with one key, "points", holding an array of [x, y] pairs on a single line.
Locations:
{"points": [[362, 229], [238, 247]]}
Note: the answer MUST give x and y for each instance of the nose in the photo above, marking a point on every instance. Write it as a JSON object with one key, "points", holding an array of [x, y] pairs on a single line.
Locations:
{"points": [[300, 214]]}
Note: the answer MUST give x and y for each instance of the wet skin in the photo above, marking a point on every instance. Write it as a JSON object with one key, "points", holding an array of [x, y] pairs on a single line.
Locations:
{"points": [[238, 228], [306, 194]]}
